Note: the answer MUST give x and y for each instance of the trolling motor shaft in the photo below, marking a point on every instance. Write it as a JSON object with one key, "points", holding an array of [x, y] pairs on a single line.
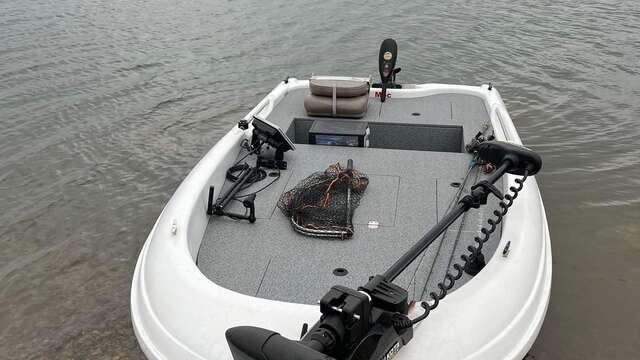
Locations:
{"points": [[474, 200], [512, 159], [372, 322]]}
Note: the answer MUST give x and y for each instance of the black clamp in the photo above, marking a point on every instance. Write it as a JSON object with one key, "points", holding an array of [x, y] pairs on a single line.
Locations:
{"points": [[248, 203], [272, 163], [479, 194]]}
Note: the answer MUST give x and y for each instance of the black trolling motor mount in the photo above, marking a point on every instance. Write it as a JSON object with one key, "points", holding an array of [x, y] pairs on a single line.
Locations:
{"points": [[372, 323]]}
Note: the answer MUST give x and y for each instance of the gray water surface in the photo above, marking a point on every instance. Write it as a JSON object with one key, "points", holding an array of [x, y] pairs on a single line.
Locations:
{"points": [[105, 106]]}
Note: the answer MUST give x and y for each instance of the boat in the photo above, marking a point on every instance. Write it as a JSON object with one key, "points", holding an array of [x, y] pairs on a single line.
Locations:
{"points": [[344, 218]]}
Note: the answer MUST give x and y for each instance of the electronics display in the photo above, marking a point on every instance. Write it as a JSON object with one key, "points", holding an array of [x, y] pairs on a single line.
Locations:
{"points": [[339, 133], [271, 134], [337, 140]]}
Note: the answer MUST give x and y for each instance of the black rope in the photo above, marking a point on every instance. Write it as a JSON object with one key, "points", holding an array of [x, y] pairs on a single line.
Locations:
{"points": [[258, 176], [454, 200]]}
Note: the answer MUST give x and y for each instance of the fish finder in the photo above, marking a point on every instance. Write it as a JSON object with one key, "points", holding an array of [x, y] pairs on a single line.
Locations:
{"points": [[265, 132], [339, 133]]}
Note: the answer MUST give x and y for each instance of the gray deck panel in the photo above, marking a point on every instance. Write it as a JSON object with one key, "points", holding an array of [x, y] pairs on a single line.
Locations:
{"points": [[434, 110], [235, 254], [467, 111], [446, 109]]}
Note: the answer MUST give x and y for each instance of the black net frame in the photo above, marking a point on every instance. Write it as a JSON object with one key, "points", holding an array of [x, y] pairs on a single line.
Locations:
{"points": [[322, 204]]}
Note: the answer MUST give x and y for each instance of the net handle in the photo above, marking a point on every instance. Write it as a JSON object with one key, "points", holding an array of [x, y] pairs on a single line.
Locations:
{"points": [[349, 184]]}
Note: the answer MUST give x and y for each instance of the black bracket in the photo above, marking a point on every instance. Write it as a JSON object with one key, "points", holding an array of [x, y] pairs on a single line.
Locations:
{"points": [[277, 163], [248, 203], [475, 264], [479, 194], [488, 188], [210, 201], [217, 207]]}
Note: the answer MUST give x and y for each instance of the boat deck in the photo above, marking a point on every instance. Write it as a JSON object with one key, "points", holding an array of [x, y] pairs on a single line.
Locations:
{"points": [[409, 191]]}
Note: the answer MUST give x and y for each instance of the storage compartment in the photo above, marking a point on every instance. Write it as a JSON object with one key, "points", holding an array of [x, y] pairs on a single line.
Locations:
{"points": [[342, 132]]}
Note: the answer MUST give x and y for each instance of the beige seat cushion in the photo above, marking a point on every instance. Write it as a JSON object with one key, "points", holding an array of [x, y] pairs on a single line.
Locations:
{"points": [[352, 107], [344, 88]]}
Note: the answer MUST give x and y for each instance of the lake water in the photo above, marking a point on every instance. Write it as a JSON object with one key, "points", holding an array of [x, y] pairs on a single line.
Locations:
{"points": [[105, 106]]}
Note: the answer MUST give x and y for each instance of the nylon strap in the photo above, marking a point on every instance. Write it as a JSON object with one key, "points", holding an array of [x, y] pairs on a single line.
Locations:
{"points": [[333, 103]]}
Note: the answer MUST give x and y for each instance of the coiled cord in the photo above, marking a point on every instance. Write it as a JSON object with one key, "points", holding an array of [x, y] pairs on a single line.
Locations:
{"points": [[450, 279]]}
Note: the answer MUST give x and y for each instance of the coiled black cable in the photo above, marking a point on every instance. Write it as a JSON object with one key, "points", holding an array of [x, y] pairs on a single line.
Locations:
{"points": [[450, 279], [257, 176]]}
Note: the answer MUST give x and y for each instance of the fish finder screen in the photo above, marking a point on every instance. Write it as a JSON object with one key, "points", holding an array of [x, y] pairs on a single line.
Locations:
{"points": [[337, 140]]}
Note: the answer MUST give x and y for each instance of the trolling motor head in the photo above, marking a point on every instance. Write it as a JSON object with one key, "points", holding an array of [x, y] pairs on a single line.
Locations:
{"points": [[518, 158]]}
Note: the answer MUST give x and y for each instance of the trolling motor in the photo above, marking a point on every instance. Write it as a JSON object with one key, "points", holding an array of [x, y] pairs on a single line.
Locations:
{"points": [[387, 67], [371, 323]]}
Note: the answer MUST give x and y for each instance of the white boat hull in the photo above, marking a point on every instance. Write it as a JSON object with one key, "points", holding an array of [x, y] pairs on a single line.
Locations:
{"points": [[178, 313]]}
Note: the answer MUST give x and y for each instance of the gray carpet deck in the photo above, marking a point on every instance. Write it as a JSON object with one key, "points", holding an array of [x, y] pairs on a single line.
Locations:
{"points": [[409, 191]]}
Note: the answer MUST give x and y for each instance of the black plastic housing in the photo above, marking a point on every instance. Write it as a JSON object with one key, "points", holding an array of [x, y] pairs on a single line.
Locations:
{"points": [[386, 295], [519, 157], [253, 343]]}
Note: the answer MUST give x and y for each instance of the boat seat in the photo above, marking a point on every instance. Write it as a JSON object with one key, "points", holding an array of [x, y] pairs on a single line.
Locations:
{"points": [[337, 97]]}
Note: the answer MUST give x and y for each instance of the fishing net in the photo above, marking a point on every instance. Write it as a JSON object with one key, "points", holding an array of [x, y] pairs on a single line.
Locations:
{"points": [[322, 204]]}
